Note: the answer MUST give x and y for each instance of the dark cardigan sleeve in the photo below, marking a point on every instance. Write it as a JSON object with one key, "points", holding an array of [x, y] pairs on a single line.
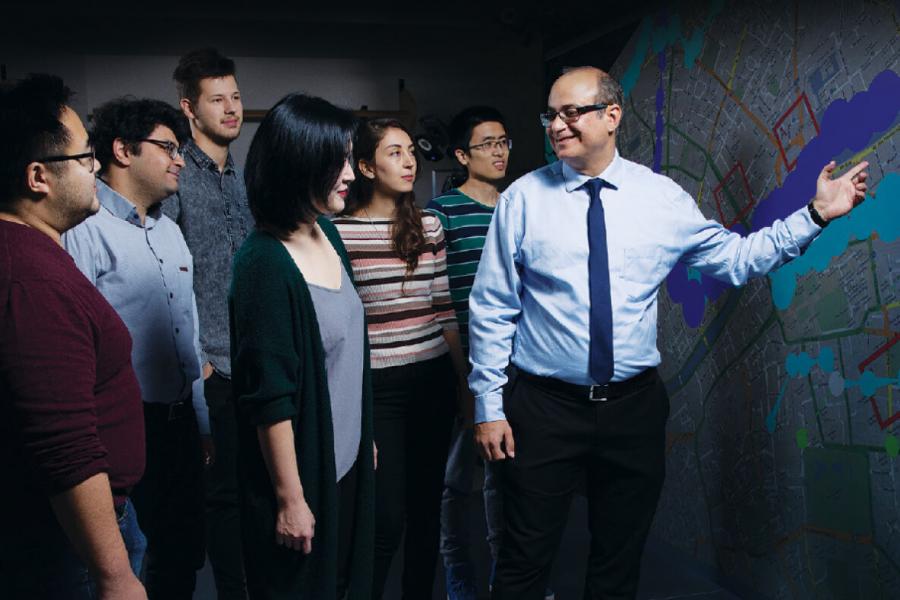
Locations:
{"points": [[266, 359]]}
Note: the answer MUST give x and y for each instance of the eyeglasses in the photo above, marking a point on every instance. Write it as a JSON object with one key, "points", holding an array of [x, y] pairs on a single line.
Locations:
{"points": [[492, 145], [173, 150], [79, 157], [569, 114]]}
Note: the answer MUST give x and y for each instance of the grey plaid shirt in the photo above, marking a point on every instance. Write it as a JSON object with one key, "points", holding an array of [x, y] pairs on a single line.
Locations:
{"points": [[211, 209]]}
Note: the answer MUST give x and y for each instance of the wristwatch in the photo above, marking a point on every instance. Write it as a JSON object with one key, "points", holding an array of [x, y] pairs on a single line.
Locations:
{"points": [[816, 217]]}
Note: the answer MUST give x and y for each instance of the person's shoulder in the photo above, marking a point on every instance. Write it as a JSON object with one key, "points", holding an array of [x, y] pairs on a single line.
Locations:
{"points": [[257, 252], [542, 177], [431, 223], [638, 174], [448, 199]]}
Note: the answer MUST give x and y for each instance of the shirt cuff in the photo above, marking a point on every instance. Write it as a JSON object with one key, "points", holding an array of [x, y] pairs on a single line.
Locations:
{"points": [[803, 229], [489, 407]]}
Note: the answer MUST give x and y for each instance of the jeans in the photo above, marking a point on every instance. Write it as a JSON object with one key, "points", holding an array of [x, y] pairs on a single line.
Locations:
{"points": [[455, 503], [54, 571]]}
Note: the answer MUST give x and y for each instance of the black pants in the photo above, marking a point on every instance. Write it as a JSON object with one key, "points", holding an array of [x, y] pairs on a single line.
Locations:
{"points": [[169, 502], [617, 446], [346, 521], [223, 520], [414, 409]]}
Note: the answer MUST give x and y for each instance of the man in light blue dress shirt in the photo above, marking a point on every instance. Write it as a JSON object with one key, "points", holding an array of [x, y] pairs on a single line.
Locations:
{"points": [[139, 261], [545, 416]]}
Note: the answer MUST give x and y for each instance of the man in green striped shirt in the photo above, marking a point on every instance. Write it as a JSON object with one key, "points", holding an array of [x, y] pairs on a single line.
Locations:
{"points": [[479, 142]]}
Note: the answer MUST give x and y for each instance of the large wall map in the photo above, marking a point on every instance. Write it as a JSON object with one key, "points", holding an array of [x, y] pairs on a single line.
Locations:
{"points": [[783, 442]]}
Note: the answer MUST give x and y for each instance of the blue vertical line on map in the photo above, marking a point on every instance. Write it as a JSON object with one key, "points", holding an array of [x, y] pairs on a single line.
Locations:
{"points": [[660, 105], [773, 414]]}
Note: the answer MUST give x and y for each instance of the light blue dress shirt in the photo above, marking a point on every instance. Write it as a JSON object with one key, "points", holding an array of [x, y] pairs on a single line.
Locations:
{"points": [[530, 301], [146, 273]]}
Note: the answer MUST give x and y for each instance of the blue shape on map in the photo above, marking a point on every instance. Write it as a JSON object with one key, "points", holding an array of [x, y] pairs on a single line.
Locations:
{"points": [[845, 125], [879, 214]]}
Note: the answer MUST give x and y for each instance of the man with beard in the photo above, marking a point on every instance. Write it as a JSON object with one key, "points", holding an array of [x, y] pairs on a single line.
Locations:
{"points": [[211, 209], [71, 428], [137, 258]]}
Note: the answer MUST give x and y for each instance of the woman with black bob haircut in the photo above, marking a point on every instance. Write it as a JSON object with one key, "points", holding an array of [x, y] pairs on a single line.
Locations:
{"points": [[399, 260], [301, 367]]}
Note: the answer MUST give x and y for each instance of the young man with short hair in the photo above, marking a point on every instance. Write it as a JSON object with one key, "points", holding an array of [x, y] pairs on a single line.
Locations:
{"points": [[71, 427], [137, 258], [481, 146], [211, 209]]}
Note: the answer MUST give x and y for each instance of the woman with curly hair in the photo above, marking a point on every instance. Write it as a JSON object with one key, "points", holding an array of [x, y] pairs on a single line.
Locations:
{"points": [[399, 263]]}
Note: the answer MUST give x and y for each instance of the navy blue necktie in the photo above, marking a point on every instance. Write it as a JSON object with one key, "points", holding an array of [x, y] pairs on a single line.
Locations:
{"points": [[601, 353]]}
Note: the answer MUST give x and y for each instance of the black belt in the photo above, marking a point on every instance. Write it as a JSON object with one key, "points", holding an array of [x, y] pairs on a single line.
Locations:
{"points": [[175, 410], [594, 393]]}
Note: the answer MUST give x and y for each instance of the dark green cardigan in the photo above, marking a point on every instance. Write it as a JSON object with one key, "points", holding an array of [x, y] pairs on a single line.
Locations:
{"points": [[278, 373]]}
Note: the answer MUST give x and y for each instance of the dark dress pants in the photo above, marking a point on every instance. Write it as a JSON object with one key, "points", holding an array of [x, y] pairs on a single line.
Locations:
{"points": [[169, 502], [562, 439], [414, 409], [223, 520]]}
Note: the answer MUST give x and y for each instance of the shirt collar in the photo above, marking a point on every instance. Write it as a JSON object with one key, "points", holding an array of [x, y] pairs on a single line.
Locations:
{"points": [[123, 208], [203, 160], [612, 174]]}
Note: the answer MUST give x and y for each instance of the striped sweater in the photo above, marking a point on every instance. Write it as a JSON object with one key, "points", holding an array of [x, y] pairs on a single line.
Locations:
{"points": [[406, 316], [465, 222]]}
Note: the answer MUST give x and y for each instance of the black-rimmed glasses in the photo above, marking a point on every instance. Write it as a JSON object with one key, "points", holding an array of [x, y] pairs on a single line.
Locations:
{"points": [[172, 149], [492, 145], [79, 157], [569, 114]]}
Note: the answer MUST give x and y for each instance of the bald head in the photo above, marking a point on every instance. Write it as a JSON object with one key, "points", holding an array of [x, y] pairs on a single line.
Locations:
{"points": [[607, 89]]}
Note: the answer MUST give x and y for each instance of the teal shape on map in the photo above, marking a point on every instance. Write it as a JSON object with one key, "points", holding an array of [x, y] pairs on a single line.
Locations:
{"points": [[657, 34], [846, 126], [879, 214], [869, 382], [800, 365], [694, 274], [802, 436]]}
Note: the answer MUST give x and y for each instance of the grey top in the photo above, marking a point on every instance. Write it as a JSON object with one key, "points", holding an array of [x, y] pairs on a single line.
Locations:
{"points": [[145, 272], [342, 327], [211, 209]]}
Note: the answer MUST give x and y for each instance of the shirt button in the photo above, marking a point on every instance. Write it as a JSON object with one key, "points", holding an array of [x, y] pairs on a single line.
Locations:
{"points": [[177, 330], [160, 261], [171, 295]]}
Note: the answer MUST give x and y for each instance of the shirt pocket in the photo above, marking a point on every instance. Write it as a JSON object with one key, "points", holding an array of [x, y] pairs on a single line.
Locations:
{"points": [[642, 271]]}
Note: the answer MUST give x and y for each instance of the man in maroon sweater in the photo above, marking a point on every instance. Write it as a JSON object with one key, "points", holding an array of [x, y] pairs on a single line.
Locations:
{"points": [[71, 422]]}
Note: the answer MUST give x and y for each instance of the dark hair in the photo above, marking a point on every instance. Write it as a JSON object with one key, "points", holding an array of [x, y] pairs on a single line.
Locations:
{"points": [[407, 233], [461, 126], [294, 160], [131, 120], [460, 132], [200, 64], [30, 128]]}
